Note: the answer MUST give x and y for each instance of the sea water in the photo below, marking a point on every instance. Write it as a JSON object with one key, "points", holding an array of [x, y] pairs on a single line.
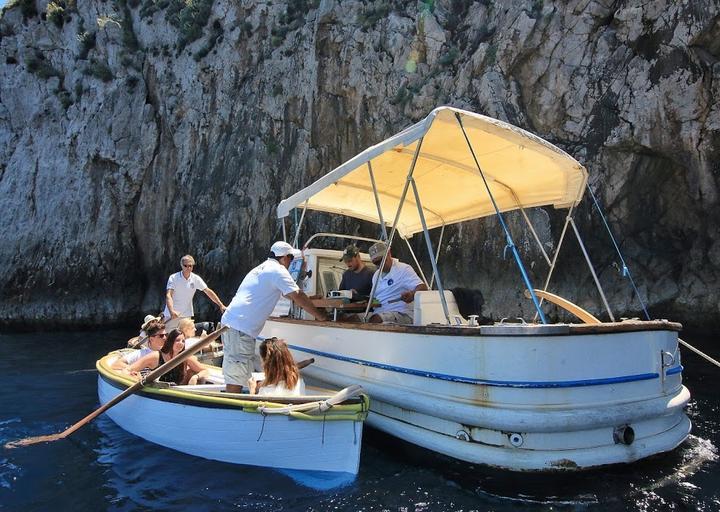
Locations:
{"points": [[49, 382]]}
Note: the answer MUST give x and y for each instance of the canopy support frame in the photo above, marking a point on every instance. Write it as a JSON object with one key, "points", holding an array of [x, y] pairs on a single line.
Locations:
{"points": [[437, 254], [508, 236], [592, 270], [383, 228], [394, 226], [426, 233], [297, 229], [417, 263], [555, 255], [534, 233]]}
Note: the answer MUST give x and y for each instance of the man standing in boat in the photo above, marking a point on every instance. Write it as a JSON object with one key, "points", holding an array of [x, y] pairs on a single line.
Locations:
{"points": [[253, 303], [181, 288], [396, 288], [357, 278]]}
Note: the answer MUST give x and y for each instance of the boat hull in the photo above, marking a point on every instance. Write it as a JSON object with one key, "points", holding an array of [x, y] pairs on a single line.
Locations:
{"points": [[212, 429], [525, 399]]}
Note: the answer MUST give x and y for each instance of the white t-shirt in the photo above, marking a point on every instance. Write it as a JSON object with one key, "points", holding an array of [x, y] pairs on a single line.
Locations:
{"points": [[136, 355], [184, 290], [257, 295], [401, 278], [279, 389]]}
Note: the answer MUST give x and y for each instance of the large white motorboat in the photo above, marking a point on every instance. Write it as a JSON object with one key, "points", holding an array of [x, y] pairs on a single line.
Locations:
{"points": [[530, 396]]}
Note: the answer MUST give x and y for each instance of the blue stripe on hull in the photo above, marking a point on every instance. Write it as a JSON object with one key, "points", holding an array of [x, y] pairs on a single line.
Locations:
{"points": [[496, 383]]}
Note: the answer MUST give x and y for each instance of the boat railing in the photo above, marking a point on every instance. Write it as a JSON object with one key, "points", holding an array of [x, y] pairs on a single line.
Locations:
{"points": [[338, 235]]}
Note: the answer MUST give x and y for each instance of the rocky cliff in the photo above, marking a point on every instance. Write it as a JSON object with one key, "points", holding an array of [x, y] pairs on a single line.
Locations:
{"points": [[134, 131]]}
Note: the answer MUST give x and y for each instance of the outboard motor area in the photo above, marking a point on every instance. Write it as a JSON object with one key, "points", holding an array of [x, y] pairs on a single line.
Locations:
{"points": [[624, 434]]}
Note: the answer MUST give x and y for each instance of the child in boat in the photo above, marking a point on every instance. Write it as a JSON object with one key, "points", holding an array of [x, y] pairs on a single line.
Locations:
{"points": [[190, 372], [282, 376]]}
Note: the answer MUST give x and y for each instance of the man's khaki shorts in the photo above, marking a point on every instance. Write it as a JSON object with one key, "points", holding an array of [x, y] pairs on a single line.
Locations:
{"points": [[238, 354]]}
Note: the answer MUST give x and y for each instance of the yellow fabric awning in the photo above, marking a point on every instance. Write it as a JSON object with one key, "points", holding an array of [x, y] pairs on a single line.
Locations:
{"points": [[521, 168]]}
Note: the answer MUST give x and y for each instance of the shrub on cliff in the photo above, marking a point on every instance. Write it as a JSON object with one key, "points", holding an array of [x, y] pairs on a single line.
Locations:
{"points": [[99, 70], [189, 17], [38, 65]]}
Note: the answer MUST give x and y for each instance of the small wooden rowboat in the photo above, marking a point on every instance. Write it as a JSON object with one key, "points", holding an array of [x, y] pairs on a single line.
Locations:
{"points": [[319, 432]]}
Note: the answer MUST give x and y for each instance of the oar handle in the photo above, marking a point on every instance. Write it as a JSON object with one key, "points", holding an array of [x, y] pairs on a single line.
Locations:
{"points": [[305, 363]]}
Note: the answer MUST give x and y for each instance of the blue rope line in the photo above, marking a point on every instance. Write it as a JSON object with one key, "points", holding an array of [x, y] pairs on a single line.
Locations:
{"points": [[508, 237], [625, 268]]}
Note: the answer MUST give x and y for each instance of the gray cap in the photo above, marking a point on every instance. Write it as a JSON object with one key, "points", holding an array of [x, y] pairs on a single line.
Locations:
{"points": [[377, 251]]}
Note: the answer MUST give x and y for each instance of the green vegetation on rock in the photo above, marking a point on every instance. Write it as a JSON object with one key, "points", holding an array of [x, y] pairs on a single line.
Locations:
{"points": [[189, 17]]}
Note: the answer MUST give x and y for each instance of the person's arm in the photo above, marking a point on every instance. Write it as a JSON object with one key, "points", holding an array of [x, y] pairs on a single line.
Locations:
{"points": [[409, 295], [170, 304], [197, 370], [302, 300], [151, 360], [213, 297], [195, 365]]}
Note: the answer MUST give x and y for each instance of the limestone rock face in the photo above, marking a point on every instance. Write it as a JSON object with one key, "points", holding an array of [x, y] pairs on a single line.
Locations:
{"points": [[135, 131]]}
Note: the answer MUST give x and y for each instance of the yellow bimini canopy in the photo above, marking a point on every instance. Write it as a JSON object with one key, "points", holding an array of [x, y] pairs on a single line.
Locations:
{"points": [[522, 170]]}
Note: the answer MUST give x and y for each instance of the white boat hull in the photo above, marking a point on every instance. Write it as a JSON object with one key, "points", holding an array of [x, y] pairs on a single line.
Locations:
{"points": [[560, 398], [230, 434]]}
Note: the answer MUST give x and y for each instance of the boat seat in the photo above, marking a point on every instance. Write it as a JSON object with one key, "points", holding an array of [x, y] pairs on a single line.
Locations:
{"points": [[428, 308]]}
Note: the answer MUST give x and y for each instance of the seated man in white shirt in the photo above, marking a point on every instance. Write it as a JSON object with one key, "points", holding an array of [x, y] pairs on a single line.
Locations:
{"points": [[396, 288]]}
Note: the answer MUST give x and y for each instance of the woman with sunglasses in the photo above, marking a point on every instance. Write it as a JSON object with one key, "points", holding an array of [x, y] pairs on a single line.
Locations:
{"points": [[190, 372]]}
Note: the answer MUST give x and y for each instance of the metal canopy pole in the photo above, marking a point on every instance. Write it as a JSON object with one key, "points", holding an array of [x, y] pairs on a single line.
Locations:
{"points": [[302, 217], [508, 238], [430, 250], [377, 202], [532, 230], [592, 270], [417, 263], [555, 255], [283, 229], [437, 253], [394, 226]]}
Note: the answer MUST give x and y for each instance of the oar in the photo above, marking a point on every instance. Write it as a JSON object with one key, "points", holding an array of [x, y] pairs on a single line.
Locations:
{"points": [[152, 376], [305, 362]]}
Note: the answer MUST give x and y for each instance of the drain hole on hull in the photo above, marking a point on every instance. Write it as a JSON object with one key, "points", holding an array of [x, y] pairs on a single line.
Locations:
{"points": [[624, 435]]}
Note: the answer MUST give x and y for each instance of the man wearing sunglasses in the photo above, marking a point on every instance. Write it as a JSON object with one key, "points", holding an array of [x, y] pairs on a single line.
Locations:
{"points": [[253, 303], [181, 288]]}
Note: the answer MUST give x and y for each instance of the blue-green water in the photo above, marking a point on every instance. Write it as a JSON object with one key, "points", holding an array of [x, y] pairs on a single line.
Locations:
{"points": [[49, 382]]}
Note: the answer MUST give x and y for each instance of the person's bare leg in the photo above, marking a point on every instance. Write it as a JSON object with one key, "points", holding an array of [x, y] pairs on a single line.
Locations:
{"points": [[233, 388]]}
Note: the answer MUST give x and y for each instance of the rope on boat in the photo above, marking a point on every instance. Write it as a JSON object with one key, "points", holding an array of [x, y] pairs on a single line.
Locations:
{"points": [[626, 273], [319, 406], [698, 352], [625, 268], [508, 237]]}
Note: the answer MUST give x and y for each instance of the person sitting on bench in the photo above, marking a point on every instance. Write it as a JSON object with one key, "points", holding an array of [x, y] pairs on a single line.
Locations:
{"points": [[396, 288]]}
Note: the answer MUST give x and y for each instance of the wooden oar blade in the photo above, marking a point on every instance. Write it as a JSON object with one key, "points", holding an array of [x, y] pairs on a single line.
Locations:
{"points": [[158, 372], [33, 440]]}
